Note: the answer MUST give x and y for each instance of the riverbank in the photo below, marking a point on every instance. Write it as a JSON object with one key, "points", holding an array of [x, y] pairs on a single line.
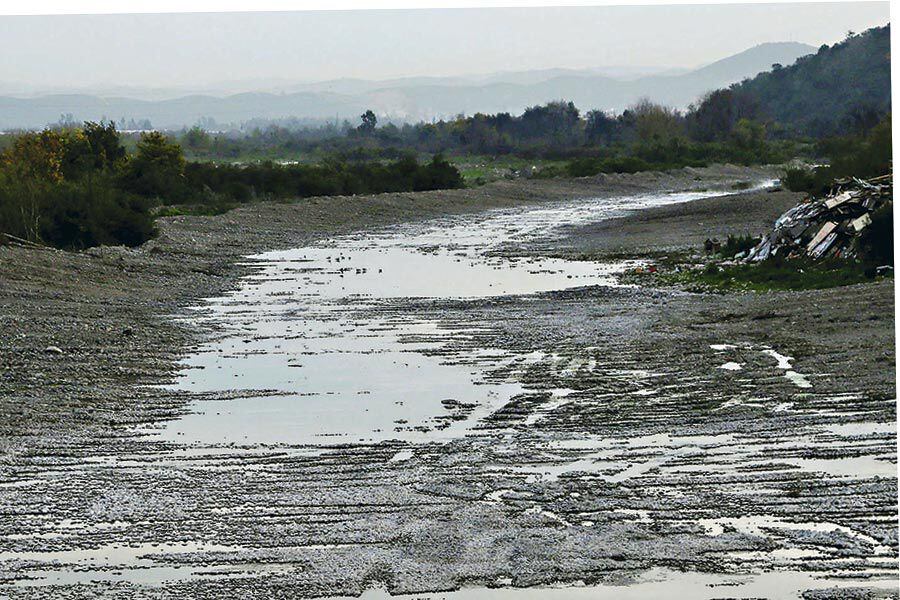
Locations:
{"points": [[748, 434], [679, 227]]}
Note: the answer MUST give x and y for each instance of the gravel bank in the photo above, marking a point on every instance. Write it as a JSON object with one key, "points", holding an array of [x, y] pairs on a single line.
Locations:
{"points": [[683, 226]]}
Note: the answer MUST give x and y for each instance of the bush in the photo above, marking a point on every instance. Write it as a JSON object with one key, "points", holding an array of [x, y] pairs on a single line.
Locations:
{"points": [[82, 216], [242, 183], [157, 170], [60, 187], [736, 244], [586, 167], [76, 188], [798, 179], [625, 164], [436, 175], [76, 215]]}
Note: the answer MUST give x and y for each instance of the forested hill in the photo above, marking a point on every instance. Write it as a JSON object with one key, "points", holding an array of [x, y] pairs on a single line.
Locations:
{"points": [[838, 89]]}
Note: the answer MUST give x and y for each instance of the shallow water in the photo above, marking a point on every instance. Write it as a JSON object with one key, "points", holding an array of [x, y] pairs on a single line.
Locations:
{"points": [[303, 367], [656, 583]]}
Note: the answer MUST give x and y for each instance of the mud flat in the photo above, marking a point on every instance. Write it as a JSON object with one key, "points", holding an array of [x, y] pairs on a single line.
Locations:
{"points": [[555, 431]]}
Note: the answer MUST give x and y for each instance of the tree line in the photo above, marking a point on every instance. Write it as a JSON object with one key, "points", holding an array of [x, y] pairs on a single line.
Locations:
{"points": [[78, 187], [646, 136], [842, 89], [556, 129]]}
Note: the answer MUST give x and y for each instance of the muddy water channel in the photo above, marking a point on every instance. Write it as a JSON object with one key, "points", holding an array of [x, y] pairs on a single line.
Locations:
{"points": [[429, 410], [305, 361]]}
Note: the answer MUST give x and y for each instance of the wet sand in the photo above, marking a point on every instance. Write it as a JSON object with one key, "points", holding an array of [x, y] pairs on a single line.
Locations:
{"points": [[652, 458]]}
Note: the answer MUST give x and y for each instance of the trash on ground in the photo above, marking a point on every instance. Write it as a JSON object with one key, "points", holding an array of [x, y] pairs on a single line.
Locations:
{"points": [[826, 227]]}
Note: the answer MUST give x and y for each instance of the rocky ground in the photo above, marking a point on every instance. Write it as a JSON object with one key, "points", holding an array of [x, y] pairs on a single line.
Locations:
{"points": [[656, 458]]}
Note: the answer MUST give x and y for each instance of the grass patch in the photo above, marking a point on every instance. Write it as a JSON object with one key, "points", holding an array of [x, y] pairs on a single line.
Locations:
{"points": [[478, 170], [736, 244], [199, 210], [771, 275]]}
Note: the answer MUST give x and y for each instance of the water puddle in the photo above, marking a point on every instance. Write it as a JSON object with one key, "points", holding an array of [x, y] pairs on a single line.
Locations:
{"points": [[656, 583], [300, 362], [145, 564]]}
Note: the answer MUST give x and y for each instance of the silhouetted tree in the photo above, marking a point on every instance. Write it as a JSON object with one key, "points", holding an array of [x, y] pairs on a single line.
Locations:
{"points": [[369, 121]]}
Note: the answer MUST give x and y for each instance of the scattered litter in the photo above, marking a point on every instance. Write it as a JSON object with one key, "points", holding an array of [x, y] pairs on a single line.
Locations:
{"points": [[823, 228]]}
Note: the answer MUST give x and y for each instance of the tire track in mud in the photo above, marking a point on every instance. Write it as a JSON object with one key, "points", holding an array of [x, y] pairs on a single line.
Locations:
{"points": [[628, 454], [796, 462]]}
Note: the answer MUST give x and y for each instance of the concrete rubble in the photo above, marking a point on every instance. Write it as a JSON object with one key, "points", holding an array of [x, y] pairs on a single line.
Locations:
{"points": [[826, 227]]}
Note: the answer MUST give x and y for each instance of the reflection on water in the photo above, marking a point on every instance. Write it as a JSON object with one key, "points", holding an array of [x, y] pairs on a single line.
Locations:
{"points": [[309, 370]]}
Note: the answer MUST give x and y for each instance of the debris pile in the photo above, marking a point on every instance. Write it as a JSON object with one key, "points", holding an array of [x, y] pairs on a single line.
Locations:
{"points": [[826, 227]]}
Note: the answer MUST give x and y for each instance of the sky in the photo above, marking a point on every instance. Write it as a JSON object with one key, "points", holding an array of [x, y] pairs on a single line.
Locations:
{"points": [[185, 50]]}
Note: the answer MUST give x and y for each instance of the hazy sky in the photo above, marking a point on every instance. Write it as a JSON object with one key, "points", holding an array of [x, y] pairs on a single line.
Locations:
{"points": [[189, 49]]}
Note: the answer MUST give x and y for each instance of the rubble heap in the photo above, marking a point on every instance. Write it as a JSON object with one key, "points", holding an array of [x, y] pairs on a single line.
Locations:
{"points": [[826, 227]]}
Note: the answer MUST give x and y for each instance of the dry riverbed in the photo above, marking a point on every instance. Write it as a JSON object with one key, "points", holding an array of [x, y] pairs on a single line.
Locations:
{"points": [[560, 430]]}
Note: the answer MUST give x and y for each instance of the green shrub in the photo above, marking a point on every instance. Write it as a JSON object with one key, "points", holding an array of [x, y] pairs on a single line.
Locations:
{"points": [[798, 179], [735, 244], [584, 167], [156, 170], [436, 175], [60, 188], [625, 164], [79, 215], [76, 188], [242, 183], [863, 156]]}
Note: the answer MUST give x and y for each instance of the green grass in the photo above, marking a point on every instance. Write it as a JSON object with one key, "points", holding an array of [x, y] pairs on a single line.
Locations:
{"points": [[201, 210], [770, 275], [479, 170]]}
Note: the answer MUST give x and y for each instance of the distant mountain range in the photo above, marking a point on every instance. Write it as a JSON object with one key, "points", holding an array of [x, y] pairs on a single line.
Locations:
{"points": [[409, 99]]}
